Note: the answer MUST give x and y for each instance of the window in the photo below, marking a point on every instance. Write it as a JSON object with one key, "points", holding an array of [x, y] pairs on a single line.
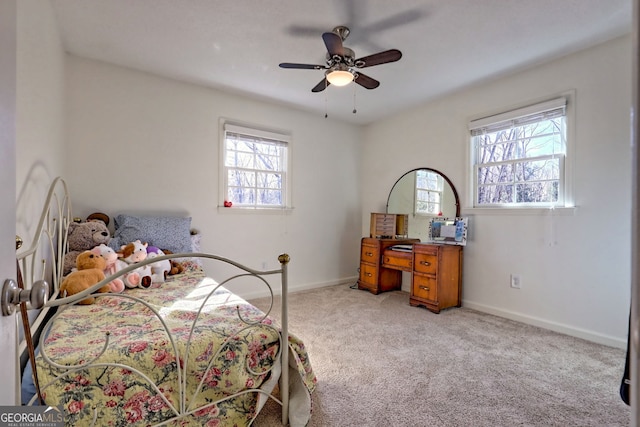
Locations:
{"points": [[429, 187], [255, 167], [519, 157]]}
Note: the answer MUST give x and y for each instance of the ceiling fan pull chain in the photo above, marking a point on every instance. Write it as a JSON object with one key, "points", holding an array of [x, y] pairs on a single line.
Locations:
{"points": [[326, 97], [354, 99]]}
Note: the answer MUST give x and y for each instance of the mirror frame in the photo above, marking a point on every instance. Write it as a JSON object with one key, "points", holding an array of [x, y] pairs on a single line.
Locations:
{"points": [[446, 178]]}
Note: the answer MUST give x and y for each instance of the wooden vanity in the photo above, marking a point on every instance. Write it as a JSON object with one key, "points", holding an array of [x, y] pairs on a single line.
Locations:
{"points": [[436, 270], [416, 199]]}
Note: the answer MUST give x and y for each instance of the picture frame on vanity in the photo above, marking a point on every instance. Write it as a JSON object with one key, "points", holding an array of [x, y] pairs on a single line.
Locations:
{"points": [[449, 231]]}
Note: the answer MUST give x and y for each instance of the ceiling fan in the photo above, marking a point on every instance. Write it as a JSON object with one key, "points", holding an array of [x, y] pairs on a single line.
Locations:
{"points": [[342, 66]]}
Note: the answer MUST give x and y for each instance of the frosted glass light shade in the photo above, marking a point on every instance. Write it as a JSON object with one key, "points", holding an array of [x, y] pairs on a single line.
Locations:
{"points": [[340, 77]]}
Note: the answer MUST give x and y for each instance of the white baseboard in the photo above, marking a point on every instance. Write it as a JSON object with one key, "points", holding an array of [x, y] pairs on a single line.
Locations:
{"points": [[546, 324], [299, 287]]}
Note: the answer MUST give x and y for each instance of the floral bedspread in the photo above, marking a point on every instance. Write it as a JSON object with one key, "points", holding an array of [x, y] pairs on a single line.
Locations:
{"points": [[201, 369]]}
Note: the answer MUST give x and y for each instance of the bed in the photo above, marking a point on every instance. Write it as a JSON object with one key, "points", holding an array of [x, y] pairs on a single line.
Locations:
{"points": [[186, 351]]}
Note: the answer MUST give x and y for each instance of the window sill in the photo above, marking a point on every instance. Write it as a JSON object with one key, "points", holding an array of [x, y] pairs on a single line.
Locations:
{"points": [[563, 211], [254, 211]]}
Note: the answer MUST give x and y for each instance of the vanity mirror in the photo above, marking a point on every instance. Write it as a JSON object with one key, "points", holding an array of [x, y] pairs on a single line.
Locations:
{"points": [[422, 194]]}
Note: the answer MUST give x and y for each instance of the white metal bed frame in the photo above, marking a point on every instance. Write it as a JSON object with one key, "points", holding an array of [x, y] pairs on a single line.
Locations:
{"points": [[43, 260]]}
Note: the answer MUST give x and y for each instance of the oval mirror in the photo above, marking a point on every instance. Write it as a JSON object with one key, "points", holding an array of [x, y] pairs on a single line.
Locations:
{"points": [[422, 194]]}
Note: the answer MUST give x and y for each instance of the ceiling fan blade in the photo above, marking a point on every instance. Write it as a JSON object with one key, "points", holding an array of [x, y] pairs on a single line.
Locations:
{"points": [[302, 66], [366, 81], [305, 31], [399, 19], [391, 55], [333, 42], [321, 86]]}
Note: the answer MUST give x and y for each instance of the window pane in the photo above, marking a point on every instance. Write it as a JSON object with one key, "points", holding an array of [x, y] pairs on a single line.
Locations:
{"points": [[537, 192], [490, 194], [242, 196], [269, 163], [428, 202], [239, 159], [270, 180], [270, 197], [495, 174], [240, 178], [538, 170]]}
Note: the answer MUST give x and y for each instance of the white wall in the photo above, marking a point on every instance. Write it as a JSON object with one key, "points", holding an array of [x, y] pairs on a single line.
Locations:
{"points": [[142, 143], [575, 268], [40, 150]]}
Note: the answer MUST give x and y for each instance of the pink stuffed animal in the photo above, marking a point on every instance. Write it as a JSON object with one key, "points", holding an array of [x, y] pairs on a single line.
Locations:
{"points": [[133, 253], [110, 256]]}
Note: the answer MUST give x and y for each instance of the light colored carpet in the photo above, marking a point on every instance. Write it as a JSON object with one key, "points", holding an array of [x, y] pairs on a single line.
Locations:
{"points": [[381, 362]]}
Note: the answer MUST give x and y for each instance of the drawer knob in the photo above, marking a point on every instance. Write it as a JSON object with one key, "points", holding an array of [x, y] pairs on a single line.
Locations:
{"points": [[368, 253], [424, 288], [425, 263], [369, 274]]}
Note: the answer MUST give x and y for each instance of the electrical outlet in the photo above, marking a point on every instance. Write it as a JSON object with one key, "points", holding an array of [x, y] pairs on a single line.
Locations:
{"points": [[516, 282]]}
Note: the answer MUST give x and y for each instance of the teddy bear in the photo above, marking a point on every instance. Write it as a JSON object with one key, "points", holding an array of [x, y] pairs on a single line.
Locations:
{"points": [[81, 237], [176, 267], [133, 253], [90, 270], [111, 257], [159, 269]]}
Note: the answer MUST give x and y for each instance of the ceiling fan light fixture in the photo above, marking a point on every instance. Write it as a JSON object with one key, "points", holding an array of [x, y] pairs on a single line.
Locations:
{"points": [[339, 77]]}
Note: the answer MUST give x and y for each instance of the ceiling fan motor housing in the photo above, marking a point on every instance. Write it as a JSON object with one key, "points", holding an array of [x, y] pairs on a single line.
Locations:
{"points": [[348, 58]]}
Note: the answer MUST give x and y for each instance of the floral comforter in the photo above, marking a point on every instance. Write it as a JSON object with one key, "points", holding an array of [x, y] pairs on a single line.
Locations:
{"points": [[199, 373]]}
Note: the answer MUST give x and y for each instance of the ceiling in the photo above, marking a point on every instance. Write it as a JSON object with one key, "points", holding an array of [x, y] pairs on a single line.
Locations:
{"points": [[236, 45]]}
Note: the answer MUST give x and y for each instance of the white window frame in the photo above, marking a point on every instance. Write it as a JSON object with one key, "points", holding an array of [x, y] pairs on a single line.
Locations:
{"points": [[259, 132], [566, 200]]}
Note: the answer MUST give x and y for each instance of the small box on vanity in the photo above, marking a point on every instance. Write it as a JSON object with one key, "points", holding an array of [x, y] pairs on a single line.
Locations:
{"points": [[389, 226]]}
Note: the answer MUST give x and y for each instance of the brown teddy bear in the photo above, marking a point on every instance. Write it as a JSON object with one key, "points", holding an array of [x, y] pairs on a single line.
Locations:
{"points": [[176, 267], [90, 271], [81, 237]]}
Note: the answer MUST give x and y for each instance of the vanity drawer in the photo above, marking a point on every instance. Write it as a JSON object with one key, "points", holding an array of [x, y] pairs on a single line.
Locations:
{"points": [[369, 274], [425, 288], [369, 253], [426, 262], [397, 259]]}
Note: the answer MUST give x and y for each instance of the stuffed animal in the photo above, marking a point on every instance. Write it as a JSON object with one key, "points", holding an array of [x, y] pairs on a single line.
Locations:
{"points": [[110, 256], [176, 267], [81, 237], [90, 271], [99, 216], [132, 253], [159, 269]]}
